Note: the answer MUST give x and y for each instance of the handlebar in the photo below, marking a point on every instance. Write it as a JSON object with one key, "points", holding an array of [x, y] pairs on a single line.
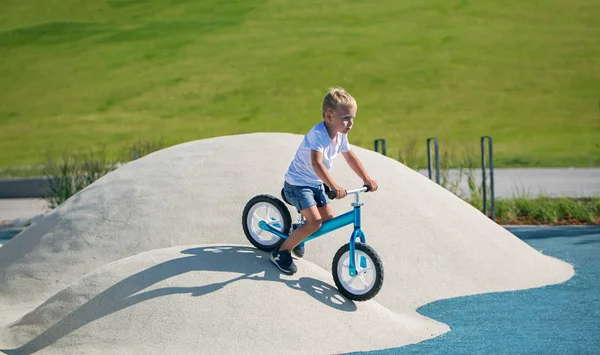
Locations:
{"points": [[332, 194]]}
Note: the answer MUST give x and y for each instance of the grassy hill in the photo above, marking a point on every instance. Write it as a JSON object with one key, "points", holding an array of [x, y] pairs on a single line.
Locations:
{"points": [[76, 74]]}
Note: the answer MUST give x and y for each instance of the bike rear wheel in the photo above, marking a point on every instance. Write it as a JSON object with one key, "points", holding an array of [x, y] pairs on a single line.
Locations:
{"points": [[369, 277], [271, 210]]}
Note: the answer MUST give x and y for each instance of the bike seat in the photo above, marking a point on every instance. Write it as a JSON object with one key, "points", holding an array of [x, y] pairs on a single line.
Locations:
{"points": [[285, 199]]}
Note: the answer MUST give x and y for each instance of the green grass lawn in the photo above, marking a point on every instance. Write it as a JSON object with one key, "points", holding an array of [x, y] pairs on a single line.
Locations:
{"points": [[78, 74]]}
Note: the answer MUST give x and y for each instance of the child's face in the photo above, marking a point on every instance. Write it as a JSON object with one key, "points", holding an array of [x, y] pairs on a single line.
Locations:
{"points": [[341, 119]]}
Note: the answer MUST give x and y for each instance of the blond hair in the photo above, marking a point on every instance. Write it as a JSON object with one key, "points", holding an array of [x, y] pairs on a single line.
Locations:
{"points": [[337, 97]]}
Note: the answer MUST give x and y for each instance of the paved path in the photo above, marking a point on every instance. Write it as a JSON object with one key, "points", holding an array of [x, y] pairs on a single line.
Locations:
{"points": [[508, 182], [15, 214], [571, 182], [21, 210]]}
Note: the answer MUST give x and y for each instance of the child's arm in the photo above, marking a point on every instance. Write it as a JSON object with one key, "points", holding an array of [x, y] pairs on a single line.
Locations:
{"points": [[317, 164], [359, 169]]}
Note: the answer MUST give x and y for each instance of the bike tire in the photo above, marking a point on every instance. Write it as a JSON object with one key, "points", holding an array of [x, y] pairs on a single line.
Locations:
{"points": [[250, 222], [342, 255]]}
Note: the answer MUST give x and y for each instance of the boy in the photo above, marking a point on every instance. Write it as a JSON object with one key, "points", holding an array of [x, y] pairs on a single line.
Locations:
{"points": [[309, 170]]}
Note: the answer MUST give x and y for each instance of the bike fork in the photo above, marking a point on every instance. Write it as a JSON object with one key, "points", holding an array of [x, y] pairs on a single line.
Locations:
{"points": [[363, 261]]}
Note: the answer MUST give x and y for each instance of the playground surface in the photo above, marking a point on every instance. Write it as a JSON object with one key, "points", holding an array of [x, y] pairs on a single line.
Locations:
{"points": [[103, 262], [555, 319]]}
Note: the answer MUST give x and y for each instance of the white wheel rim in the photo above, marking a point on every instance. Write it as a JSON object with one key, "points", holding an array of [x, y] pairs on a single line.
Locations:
{"points": [[365, 277], [264, 211]]}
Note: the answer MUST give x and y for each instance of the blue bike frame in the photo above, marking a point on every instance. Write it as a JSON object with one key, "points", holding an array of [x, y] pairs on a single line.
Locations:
{"points": [[351, 217]]}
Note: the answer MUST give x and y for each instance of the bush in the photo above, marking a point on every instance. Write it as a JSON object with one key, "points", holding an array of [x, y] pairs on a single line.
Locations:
{"points": [[76, 171], [73, 173], [522, 208]]}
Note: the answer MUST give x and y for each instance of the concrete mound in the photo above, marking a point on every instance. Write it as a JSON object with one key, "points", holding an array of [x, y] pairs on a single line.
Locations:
{"points": [[433, 245], [206, 299]]}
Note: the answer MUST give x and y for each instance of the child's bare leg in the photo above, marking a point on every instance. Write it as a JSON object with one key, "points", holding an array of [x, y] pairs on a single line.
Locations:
{"points": [[326, 212], [312, 224]]}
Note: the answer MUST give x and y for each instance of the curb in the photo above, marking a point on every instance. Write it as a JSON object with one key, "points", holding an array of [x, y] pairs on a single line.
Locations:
{"points": [[35, 187]]}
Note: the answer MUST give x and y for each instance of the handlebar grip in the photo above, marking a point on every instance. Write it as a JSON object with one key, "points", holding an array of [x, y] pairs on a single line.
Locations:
{"points": [[332, 194]]}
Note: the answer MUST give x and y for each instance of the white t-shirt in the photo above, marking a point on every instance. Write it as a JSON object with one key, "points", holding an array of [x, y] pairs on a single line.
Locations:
{"points": [[300, 171]]}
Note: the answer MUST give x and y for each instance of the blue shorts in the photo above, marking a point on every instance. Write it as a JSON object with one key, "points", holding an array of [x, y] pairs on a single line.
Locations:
{"points": [[303, 197]]}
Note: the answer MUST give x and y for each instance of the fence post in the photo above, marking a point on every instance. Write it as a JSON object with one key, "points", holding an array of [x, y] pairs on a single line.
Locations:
{"points": [[437, 158], [484, 182], [383, 146]]}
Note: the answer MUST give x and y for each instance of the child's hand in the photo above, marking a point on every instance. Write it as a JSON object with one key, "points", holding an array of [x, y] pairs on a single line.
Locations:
{"points": [[340, 192], [372, 184]]}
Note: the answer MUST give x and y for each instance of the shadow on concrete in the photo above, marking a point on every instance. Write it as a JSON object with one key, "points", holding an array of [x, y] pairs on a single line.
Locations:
{"points": [[250, 263]]}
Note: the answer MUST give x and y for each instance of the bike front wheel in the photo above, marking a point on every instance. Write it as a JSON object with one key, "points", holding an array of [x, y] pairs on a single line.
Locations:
{"points": [[369, 272]]}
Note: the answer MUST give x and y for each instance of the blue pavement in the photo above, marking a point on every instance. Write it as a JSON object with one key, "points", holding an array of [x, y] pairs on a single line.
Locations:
{"points": [[7, 234], [558, 319]]}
